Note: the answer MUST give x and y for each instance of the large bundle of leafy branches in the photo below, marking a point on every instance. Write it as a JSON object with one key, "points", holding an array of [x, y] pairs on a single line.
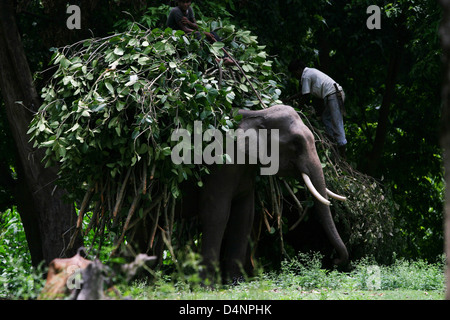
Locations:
{"points": [[113, 103], [366, 219]]}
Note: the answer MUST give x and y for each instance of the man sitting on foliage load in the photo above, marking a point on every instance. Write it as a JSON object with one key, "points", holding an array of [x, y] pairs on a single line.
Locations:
{"points": [[182, 17]]}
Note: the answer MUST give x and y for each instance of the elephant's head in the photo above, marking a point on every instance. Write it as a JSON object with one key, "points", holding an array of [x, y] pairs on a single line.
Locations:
{"points": [[297, 157]]}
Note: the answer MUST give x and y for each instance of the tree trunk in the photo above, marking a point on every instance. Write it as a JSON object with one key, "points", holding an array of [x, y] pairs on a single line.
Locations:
{"points": [[445, 134], [47, 219], [383, 118]]}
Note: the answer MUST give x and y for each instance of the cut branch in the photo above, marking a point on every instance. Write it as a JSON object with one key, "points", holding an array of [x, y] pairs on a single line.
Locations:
{"points": [[121, 194]]}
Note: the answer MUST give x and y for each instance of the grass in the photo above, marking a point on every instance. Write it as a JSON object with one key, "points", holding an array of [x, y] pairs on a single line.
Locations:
{"points": [[259, 291], [296, 294], [301, 278]]}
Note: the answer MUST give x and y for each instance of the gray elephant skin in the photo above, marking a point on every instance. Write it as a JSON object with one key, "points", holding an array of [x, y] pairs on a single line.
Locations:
{"points": [[226, 202]]}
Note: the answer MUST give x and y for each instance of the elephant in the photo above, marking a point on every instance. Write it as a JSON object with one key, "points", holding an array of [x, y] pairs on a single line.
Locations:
{"points": [[227, 198]]}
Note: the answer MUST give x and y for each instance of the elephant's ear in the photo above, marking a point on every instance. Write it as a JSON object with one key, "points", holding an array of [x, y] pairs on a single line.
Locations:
{"points": [[248, 136], [247, 142]]}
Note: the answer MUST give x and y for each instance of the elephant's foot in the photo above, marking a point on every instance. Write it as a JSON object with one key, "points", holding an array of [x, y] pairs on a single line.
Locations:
{"points": [[209, 276], [237, 280]]}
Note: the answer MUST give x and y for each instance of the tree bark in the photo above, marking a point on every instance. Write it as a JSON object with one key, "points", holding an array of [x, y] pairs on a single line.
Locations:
{"points": [[445, 133], [383, 118], [47, 219]]}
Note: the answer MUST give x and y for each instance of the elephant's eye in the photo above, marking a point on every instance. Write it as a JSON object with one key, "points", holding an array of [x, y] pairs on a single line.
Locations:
{"points": [[298, 143]]}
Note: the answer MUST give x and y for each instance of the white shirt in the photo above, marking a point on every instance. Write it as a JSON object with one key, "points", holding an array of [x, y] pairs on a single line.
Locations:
{"points": [[317, 83]]}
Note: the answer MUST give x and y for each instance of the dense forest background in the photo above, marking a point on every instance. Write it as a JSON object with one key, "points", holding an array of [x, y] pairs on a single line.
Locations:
{"points": [[391, 77]]}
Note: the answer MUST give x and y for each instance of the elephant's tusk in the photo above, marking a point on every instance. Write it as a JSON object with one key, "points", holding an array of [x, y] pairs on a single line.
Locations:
{"points": [[313, 190], [336, 196]]}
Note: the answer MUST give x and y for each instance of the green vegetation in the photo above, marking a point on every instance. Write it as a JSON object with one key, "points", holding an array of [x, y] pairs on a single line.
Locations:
{"points": [[18, 278], [300, 278], [303, 278]]}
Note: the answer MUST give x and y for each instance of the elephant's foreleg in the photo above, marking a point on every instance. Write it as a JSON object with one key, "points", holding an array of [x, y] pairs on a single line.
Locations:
{"points": [[237, 235]]}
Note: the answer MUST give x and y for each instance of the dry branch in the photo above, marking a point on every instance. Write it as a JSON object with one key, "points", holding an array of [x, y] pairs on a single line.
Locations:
{"points": [[121, 194]]}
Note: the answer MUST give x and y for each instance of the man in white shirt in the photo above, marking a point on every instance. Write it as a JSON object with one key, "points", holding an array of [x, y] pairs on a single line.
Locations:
{"points": [[320, 85]]}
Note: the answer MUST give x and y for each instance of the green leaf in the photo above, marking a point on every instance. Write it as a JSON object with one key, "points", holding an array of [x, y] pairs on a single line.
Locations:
{"points": [[167, 151], [216, 48], [243, 87], [135, 134], [118, 51], [159, 46], [64, 62], [133, 42], [143, 148], [201, 94], [48, 143], [75, 66], [41, 126], [62, 151], [262, 54], [109, 87], [170, 49], [120, 105], [248, 68], [74, 128], [100, 107], [143, 60], [230, 97]]}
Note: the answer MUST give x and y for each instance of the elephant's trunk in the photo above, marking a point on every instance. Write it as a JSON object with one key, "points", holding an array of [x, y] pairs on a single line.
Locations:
{"points": [[317, 187]]}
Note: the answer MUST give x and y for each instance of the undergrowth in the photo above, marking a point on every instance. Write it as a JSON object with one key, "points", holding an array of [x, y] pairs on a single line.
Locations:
{"points": [[299, 278], [304, 276]]}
